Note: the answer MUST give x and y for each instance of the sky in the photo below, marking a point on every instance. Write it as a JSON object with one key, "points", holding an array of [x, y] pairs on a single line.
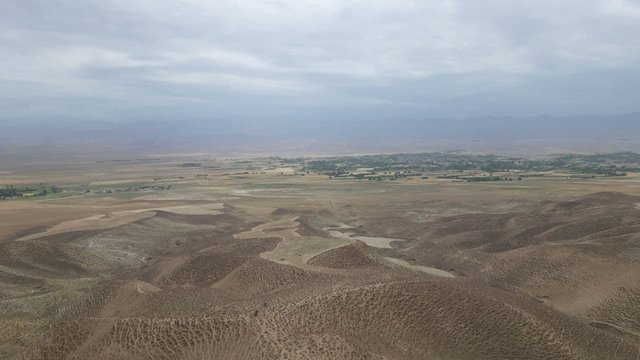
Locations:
{"points": [[273, 60]]}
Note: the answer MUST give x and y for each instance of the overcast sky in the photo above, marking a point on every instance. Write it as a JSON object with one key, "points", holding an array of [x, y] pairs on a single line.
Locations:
{"points": [[316, 59]]}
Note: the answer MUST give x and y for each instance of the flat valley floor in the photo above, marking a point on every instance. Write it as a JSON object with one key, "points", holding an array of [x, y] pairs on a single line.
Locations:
{"points": [[253, 259]]}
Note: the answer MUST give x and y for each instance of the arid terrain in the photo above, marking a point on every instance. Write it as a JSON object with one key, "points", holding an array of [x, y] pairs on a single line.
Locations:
{"points": [[190, 257]]}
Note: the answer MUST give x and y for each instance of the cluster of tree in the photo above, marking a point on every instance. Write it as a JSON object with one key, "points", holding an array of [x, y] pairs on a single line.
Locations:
{"points": [[321, 166], [11, 191], [135, 188], [490, 178], [617, 164]]}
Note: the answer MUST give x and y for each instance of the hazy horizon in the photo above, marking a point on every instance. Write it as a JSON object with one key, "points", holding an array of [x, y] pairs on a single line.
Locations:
{"points": [[531, 136]]}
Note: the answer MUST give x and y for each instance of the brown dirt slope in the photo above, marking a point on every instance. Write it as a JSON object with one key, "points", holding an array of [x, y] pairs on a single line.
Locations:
{"points": [[550, 280], [345, 257]]}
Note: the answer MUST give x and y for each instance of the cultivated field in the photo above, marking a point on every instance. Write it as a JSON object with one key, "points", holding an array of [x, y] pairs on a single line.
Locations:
{"points": [[189, 257]]}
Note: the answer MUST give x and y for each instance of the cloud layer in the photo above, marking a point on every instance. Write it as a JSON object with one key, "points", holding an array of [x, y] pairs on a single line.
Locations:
{"points": [[316, 59]]}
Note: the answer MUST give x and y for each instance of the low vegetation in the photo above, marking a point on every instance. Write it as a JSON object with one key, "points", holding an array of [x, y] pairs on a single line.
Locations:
{"points": [[471, 167]]}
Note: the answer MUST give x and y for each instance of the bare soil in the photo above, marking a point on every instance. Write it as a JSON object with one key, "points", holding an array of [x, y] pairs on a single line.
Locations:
{"points": [[234, 268]]}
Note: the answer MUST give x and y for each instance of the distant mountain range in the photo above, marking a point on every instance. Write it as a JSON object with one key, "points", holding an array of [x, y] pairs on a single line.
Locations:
{"points": [[532, 135]]}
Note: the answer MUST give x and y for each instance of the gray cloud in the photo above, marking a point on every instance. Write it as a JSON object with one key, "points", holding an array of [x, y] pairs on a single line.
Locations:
{"points": [[117, 59]]}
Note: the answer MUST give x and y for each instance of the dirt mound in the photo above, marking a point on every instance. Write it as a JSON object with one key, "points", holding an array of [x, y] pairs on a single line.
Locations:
{"points": [[345, 257], [203, 270], [219, 219], [252, 247], [306, 229], [290, 211], [473, 239], [144, 338], [391, 226], [260, 276], [326, 213], [443, 321], [550, 280], [579, 229], [621, 310], [438, 319], [595, 200]]}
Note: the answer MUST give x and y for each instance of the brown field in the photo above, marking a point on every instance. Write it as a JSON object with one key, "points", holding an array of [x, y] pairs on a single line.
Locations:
{"points": [[256, 261]]}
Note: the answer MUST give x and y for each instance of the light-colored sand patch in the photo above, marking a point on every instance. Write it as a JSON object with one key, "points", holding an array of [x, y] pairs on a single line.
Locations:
{"points": [[187, 195], [118, 218], [281, 171], [378, 242], [294, 249], [95, 222], [262, 229], [239, 192], [207, 209], [425, 269], [264, 193], [278, 224], [340, 226]]}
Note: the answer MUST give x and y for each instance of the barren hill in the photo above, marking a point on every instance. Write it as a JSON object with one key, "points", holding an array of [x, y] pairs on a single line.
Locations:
{"points": [[547, 280]]}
